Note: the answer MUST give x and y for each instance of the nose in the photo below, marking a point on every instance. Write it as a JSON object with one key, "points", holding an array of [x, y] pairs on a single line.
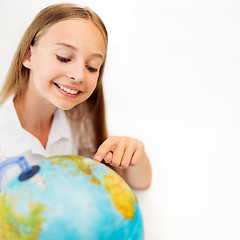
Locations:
{"points": [[72, 78], [76, 73]]}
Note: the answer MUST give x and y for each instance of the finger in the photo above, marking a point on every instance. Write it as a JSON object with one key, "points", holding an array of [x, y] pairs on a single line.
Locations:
{"points": [[118, 153], [106, 147], [108, 157], [127, 157], [137, 155]]}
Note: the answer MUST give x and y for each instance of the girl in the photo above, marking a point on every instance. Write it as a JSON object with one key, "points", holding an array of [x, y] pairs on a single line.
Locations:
{"points": [[52, 101]]}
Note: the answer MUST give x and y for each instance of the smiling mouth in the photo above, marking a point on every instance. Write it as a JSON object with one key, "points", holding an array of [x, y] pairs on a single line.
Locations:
{"points": [[66, 89]]}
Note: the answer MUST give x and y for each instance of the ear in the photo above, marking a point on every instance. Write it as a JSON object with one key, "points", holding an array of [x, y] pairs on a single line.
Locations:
{"points": [[27, 58]]}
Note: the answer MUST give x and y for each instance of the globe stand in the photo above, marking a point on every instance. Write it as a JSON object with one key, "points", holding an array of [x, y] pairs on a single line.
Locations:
{"points": [[27, 171], [26, 175]]}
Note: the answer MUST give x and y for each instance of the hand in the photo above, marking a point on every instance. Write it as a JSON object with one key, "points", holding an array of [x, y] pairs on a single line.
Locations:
{"points": [[120, 151]]}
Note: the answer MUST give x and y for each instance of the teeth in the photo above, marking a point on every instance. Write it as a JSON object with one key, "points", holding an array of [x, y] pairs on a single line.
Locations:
{"points": [[68, 90]]}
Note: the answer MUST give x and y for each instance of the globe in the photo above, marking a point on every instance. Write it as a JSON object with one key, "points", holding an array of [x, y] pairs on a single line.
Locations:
{"points": [[70, 197]]}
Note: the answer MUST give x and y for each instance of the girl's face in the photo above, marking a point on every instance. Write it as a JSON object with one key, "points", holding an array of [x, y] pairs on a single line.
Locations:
{"points": [[64, 64]]}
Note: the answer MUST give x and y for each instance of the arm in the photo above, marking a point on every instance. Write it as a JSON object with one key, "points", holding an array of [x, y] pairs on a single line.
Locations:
{"points": [[129, 160]]}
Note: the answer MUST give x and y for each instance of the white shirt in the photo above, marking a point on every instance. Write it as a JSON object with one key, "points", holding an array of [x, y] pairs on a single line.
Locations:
{"points": [[16, 141]]}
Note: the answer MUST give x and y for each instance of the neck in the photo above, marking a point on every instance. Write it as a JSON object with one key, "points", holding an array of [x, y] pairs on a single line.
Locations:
{"points": [[35, 116]]}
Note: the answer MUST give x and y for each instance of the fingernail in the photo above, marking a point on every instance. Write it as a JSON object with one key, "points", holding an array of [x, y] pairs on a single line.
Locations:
{"points": [[98, 158]]}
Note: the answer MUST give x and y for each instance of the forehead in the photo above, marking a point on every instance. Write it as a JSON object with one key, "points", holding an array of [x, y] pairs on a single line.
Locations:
{"points": [[76, 32]]}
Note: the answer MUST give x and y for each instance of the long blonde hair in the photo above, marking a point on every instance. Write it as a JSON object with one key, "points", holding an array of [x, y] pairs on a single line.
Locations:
{"points": [[88, 118]]}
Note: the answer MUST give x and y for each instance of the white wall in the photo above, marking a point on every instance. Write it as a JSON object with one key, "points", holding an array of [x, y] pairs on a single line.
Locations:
{"points": [[172, 80]]}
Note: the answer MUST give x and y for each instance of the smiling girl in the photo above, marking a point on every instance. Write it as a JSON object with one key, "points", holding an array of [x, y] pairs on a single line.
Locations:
{"points": [[52, 101]]}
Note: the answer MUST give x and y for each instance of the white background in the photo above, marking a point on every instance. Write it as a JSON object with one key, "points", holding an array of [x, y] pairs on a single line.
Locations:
{"points": [[172, 80]]}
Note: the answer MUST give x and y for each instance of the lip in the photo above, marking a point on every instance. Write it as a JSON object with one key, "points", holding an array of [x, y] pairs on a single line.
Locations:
{"points": [[65, 93]]}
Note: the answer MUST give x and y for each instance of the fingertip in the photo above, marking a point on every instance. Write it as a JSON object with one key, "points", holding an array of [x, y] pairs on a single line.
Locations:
{"points": [[97, 158]]}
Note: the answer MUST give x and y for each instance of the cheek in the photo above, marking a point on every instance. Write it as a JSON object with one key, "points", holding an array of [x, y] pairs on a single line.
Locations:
{"points": [[48, 73], [91, 85], [45, 67]]}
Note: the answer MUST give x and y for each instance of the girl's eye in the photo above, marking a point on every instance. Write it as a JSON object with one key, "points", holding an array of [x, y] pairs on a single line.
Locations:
{"points": [[63, 59], [91, 69]]}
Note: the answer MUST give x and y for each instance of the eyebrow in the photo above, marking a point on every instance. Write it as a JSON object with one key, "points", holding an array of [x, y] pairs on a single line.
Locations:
{"points": [[74, 48]]}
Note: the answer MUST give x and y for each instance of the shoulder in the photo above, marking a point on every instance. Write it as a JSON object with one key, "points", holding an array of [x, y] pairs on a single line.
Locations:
{"points": [[6, 109], [6, 103], [10, 129]]}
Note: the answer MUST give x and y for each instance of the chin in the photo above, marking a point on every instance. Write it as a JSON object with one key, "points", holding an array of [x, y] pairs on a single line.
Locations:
{"points": [[65, 106]]}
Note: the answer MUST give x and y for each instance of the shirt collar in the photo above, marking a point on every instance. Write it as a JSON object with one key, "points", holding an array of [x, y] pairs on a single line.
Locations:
{"points": [[14, 140], [60, 128]]}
